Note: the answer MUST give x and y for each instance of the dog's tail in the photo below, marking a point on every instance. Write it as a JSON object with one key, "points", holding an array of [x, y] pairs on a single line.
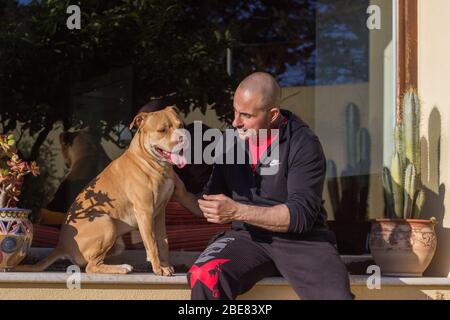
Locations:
{"points": [[43, 264]]}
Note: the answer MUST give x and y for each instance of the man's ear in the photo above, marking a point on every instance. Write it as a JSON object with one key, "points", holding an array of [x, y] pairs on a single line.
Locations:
{"points": [[138, 120], [274, 114]]}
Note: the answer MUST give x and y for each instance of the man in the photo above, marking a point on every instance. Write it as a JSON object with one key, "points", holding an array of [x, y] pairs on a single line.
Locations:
{"points": [[278, 220]]}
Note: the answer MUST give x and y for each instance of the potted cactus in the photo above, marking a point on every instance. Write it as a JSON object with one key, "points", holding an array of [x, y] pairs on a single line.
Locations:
{"points": [[349, 192], [16, 230], [402, 244]]}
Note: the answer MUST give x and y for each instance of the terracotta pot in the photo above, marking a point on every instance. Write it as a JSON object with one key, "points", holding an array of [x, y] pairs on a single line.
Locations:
{"points": [[403, 247], [16, 234]]}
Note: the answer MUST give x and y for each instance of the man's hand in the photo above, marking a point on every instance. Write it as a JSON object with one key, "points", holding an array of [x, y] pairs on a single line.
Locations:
{"points": [[219, 208]]}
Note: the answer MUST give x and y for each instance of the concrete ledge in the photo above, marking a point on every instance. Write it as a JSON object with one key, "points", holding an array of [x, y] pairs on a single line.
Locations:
{"points": [[402, 281], [180, 279], [133, 279], [53, 285], [143, 285]]}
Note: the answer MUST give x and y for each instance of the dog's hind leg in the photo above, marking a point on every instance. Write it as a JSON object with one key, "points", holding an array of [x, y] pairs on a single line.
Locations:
{"points": [[117, 249], [99, 245], [96, 263], [100, 267]]}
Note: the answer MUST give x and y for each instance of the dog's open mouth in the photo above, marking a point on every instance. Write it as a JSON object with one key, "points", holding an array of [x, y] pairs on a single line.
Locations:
{"points": [[176, 158]]}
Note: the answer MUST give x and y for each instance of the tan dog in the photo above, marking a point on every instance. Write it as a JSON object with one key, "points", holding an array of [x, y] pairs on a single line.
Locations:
{"points": [[131, 193]]}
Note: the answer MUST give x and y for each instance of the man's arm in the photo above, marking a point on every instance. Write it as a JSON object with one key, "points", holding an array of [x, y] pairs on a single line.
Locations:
{"points": [[221, 209], [274, 218], [298, 214]]}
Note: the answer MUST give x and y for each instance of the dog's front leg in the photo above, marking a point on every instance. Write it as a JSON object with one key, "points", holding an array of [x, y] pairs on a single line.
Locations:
{"points": [[146, 224], [162, 240]]}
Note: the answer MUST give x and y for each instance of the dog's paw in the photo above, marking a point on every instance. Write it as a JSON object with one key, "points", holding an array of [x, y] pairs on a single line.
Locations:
{"points": [[126, 268], [163, 271]]}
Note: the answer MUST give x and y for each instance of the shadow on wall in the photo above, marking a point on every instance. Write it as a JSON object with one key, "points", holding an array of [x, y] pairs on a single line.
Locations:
{"points": [[435, 195], [349, 191]]}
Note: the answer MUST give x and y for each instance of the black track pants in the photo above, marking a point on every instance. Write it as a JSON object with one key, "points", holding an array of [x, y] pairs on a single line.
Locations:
{"points": [[236, 261]]}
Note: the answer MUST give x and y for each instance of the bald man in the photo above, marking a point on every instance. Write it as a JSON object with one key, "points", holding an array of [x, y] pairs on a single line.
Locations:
{"points": [[278, 220]]}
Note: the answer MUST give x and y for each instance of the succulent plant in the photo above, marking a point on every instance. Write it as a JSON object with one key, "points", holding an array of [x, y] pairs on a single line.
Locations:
{"points": [[12, 171], [404, 195]]}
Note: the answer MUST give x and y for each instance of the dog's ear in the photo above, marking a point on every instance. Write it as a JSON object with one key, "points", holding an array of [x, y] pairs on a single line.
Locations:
{"points": [[138, 120]]}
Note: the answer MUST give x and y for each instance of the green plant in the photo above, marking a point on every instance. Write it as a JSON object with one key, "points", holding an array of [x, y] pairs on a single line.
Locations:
{"points": [[12, 172], [129, 50], [402, 183], [349, 193]]}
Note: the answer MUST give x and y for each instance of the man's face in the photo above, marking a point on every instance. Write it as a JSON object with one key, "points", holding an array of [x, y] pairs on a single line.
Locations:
{"points": [[249, 115]]}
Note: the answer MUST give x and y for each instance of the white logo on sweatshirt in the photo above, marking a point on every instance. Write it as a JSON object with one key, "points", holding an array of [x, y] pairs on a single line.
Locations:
{"points": [[274, 162]]}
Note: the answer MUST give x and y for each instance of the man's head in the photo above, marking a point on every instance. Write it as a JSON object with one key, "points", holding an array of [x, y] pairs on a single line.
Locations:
{"points": [[159, 103], [256, 104]]}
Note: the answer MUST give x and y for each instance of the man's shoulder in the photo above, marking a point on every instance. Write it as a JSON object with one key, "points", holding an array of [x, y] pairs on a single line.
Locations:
{"points": [[299, 131], [303, 142]]}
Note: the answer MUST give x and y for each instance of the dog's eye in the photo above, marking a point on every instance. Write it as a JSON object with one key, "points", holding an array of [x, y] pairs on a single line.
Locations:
{"points": [[161, 130]]}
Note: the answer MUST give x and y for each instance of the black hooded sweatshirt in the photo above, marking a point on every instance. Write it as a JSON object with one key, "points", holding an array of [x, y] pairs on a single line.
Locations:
{"points": [[298, 182]]}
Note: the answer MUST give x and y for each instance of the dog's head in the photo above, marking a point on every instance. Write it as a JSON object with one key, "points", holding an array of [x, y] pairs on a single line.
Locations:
{"points": [[162, 135]]}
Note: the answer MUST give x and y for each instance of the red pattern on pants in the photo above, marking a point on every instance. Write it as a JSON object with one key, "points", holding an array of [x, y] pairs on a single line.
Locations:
{"points": [[234, 263], [208, 274]]}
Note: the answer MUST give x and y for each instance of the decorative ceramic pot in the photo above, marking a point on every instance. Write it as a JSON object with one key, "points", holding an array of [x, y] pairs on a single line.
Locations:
{"points": [[403, 247], [16, 234]]}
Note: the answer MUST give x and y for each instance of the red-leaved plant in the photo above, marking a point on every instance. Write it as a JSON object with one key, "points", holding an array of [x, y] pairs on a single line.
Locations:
{"points": [[12, 172]]}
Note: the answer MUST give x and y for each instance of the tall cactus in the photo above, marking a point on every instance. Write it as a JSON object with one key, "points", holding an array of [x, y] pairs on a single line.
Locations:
{"points": [[397, 183], [349, 193], [403, 185], [411, 122]]}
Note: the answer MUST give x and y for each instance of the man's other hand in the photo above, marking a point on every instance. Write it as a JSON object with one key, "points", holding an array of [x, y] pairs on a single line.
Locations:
{"points": [[219, 208]]}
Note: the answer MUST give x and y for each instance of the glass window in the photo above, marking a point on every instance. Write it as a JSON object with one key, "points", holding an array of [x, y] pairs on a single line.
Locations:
{"points": [[69, 95]]}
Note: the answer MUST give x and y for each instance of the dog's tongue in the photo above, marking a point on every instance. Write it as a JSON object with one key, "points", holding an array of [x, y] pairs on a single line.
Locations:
{"points": [[178, 159]]}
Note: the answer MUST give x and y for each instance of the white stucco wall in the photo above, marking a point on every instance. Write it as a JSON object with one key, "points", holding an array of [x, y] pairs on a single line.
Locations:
{"points": [[434, 91]]}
